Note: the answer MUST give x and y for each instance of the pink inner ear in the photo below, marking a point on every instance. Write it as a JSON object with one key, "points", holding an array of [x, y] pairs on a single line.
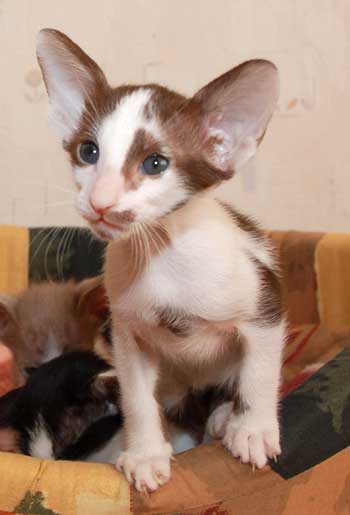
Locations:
{"points": [[238, 106], [9, 440]]}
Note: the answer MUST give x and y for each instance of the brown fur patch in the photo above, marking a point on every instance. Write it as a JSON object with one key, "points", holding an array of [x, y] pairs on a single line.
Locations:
{"points": [[198, 173], [69, 313], [119, 217], [244, 222], [239, 405], [181, 125], [102, 102], [270, 309], [178, 324], [143, 145]]}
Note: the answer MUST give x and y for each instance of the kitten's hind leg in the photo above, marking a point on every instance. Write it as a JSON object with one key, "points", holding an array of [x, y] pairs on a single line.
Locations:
{"points": [[252, 430]]}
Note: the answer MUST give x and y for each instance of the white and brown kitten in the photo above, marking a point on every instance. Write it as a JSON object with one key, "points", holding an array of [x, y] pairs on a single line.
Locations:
{"points": [[193, 285], [50, 318]]}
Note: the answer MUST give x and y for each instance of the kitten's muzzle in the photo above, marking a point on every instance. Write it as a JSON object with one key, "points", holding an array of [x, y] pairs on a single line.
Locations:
{"points": [[113, 221]]}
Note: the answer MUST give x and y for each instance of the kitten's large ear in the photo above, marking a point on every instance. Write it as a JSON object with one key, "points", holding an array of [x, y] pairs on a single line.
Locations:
{"points": [[92, 298], [106, 386], [7, 321], [70, 76], [237, 107]]}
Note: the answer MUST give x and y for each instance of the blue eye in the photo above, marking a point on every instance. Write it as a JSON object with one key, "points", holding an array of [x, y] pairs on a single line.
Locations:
{"points": [[88, 152], [154, 164]]}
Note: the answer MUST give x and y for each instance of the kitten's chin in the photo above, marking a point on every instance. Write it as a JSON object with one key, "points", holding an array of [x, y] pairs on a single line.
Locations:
{"points": [[107, 232]]}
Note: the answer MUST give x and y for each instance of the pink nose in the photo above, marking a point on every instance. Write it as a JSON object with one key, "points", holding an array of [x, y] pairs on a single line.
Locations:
{"points": [[100, 210]]}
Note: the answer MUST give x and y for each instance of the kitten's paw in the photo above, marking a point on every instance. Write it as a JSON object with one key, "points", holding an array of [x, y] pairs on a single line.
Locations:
{"points": [[146, 471], [253, 438], [218, 420]]}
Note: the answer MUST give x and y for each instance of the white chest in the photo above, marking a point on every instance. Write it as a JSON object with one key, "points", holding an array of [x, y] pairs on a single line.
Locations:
{"points": [[206, 272]]}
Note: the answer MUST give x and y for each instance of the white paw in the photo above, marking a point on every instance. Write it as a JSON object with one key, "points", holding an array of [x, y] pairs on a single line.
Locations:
{"points": [[253, 438], [146, 471], [218, 420]]}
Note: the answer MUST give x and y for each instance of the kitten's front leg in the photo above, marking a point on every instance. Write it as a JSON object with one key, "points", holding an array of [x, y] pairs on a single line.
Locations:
{"points": [[146, 459], [249, 426]]}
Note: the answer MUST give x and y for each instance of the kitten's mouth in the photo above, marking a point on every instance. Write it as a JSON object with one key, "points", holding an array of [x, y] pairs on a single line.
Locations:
{"points": [[107, 230]]}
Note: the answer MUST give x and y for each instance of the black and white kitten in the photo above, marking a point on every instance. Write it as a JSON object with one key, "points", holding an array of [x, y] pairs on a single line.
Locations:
{"points": [[68, 409], [62, 398]]}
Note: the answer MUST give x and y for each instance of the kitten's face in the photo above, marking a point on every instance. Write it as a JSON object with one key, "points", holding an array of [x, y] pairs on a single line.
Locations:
{"points": [[139, 152], [48, 319], [127, 164]]}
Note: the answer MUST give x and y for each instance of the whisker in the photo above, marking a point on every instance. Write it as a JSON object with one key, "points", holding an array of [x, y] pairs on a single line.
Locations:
{"points": [[133, 249], [138, 253], [152, 232], [43, 229], [58, 252], [162, 242], [149, 240], [42, 242], [48, 246], [65, 249], [141, 248]]}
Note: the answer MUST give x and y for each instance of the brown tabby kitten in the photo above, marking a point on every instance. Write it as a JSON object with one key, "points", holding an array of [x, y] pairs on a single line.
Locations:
{"points": [[49, 319]]}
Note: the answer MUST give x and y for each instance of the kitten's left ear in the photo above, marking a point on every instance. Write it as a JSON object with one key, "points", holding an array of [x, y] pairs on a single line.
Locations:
{"points": [[92, 298], [236, 108], [106, 386], [71, 78]]}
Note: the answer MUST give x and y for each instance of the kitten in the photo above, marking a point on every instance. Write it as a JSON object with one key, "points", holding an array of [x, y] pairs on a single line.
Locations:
{"points": [[193, 285], [50, 318], [62, 398], [69, 409]]}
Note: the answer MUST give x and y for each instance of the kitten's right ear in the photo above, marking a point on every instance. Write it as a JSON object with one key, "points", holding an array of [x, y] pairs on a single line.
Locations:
{"points": [[71, 78], [236, 109]]}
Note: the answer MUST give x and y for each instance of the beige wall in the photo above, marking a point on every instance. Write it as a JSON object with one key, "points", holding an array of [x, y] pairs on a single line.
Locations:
{"points": [[302, 175]]}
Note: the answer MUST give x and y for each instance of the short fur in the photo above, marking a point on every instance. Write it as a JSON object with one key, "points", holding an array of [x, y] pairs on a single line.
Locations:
{"points": [[69, 409], [61, 399], [48, 319], [178, 259]]}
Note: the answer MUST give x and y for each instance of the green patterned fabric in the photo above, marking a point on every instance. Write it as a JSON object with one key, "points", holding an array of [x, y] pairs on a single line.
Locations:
{"points": [[32, 503], [316, 418]]}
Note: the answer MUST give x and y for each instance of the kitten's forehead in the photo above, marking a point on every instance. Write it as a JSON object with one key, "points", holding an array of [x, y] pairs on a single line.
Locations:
{"points": [[118, 130], [116, 117]]}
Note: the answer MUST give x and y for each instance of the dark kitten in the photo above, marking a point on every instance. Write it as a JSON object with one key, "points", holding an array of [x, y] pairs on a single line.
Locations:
{"points": [[61, 399], [68, 409]]}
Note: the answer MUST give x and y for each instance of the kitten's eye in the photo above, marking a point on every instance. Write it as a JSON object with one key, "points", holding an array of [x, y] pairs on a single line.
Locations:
{"points": [[88, 152], [154, 164]]}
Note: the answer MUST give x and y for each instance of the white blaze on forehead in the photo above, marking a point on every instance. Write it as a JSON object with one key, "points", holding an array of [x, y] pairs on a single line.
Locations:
{"points": [[117, 131]]}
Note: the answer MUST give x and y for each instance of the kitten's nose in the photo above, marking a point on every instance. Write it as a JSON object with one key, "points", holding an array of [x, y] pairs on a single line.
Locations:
{"points": [[104, 193], [100, 210]]}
